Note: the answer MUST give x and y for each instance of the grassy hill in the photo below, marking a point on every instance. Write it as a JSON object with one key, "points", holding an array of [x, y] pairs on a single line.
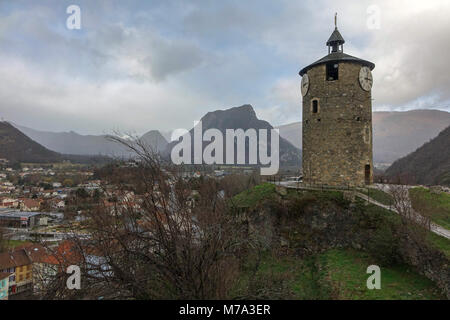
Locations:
{"points": [[325, 244], [436, 205], [333, 274]]}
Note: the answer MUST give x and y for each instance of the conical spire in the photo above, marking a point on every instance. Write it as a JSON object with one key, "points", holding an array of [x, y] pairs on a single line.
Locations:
{"points": [[336, 38], [335, 53]]}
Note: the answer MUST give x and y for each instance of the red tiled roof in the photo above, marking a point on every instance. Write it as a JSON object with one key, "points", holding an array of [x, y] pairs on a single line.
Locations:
{"points": [[30, 203], [36, 252], [15, 258], [64, 254], [68, 252]]}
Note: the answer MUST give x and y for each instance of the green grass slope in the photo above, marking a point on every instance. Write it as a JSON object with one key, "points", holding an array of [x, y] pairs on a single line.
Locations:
{"points": [[338, 272], [436, 205], [334, 274]]}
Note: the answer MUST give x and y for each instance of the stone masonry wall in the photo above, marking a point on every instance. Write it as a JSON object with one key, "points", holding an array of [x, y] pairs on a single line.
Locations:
{"points": [[337, 140]]}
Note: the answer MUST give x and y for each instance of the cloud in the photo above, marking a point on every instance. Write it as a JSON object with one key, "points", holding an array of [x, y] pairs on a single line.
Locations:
{"points": [[144, 53], [285, 104], [410, 50], [76, 104], [162, 64]]}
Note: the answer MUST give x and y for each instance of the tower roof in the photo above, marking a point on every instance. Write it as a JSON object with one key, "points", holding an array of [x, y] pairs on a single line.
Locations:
{"points": [[336, 55], [335, 38]]}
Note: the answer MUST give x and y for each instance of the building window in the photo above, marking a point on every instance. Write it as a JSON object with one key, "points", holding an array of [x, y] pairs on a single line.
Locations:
{"points": [[315, 106], [332, 71], [367, 173]]}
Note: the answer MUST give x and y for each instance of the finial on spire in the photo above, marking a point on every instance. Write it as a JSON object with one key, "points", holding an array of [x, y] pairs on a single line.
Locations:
{"points": [[335, 42]]}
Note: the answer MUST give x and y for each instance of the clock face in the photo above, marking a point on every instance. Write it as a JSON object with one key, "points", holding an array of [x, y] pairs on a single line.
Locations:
{"points": [[305, 85], [365, 78]]}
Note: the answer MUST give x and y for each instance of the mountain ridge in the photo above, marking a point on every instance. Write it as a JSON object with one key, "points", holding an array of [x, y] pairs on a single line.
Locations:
{"points": [[429, 164], [16, 146], [395, 133], [70, 142], [243, 117]]}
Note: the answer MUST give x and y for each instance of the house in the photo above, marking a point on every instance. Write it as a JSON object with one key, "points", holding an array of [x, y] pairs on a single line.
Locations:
{"points": [[19, 266], [47, 263], [49, 193], [57, 184], [20, 219], [9, 203], [44, 265], [27, 204], [57, 204], [4, 285], [219, 173]]}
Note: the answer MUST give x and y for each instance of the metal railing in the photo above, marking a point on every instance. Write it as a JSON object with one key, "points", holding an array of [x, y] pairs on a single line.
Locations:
{"points": [[283, 180]]}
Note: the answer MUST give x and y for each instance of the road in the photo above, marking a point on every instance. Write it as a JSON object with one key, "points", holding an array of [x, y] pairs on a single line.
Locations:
{"points": [[433, 227]]}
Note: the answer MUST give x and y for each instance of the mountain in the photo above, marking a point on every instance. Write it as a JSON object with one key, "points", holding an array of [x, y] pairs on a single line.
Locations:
{"points": [[17, 147], [293, 133], [74, 143], [429, 165], [155, 140], [243, 117], [395, 134]]}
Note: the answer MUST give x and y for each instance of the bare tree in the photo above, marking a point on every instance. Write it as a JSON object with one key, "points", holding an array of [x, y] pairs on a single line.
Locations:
{"points": [[401, 201], [414, 225], [151, 236]]}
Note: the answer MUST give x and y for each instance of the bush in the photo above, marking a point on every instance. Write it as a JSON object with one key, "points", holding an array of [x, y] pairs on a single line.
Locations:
{"points": [[383, 245], [297, 204]]}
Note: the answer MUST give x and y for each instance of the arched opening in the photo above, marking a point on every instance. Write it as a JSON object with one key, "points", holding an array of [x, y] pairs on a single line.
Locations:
{"points": [[332, 71], [315, 106], [367, 174]]}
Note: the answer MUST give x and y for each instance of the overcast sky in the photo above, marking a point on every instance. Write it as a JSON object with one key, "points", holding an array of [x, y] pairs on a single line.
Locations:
{"points": [[161, 64]]}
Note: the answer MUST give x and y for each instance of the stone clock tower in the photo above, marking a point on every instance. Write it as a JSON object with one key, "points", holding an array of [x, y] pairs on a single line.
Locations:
{"points": [[337, 118]]}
